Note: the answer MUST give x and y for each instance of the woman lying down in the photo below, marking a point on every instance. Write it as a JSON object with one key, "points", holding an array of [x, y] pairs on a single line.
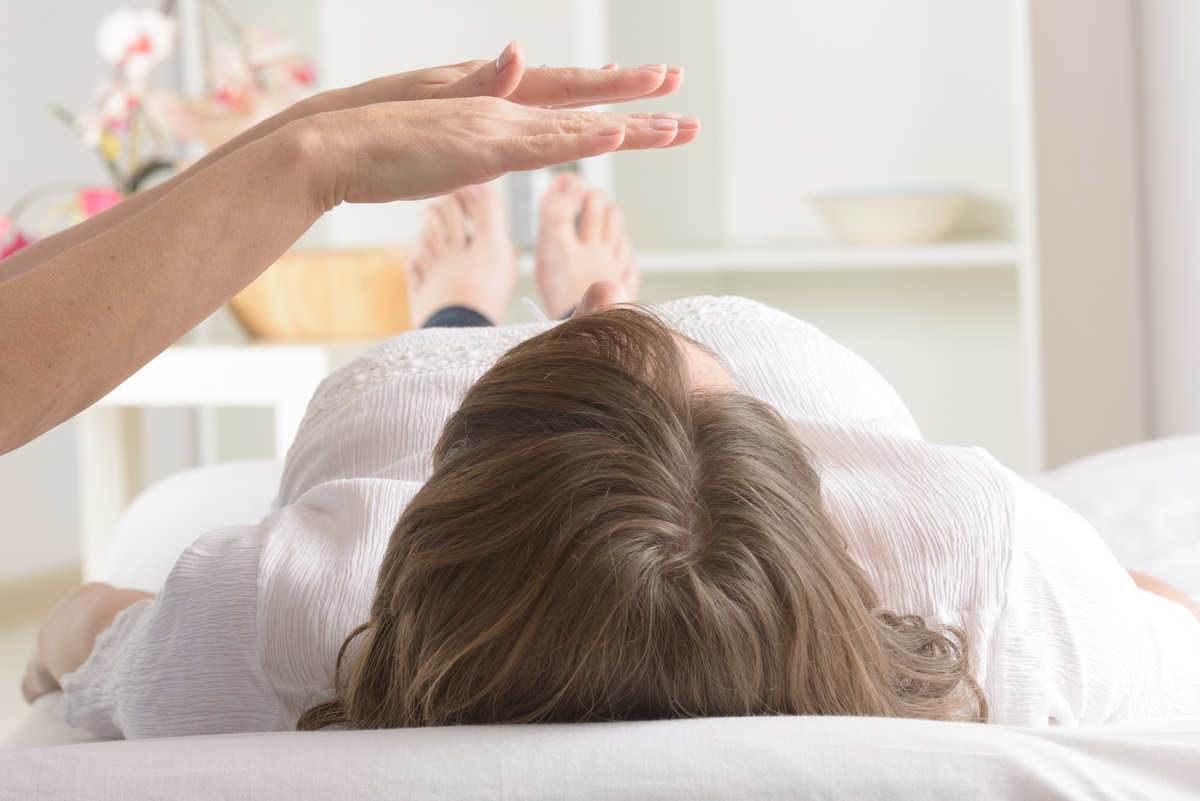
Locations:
{"points": [[707, 509]]}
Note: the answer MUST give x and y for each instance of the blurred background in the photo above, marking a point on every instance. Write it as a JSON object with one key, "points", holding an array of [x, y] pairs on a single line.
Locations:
{"points": [[989, 201]]}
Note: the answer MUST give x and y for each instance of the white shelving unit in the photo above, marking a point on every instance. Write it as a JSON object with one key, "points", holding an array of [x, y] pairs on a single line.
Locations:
{"points": [[281, 377], [955, 255], [1043, 131], [1028, 104]]}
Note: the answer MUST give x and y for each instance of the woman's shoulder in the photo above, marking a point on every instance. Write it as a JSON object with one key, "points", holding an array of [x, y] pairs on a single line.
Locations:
{"points": [[732, 310], [423, 356], [792, 365]]}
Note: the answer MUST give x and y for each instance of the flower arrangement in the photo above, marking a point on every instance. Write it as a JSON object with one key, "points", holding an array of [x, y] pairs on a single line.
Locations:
{"points": [[138, 131]]}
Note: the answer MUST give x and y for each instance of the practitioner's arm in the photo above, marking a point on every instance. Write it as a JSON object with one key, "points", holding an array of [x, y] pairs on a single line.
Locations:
{"points": [[77, 325], [67, 635], [505, 77], [1158, 587]]}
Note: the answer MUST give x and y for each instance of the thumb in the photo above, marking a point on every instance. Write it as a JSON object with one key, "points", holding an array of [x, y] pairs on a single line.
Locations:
{"points": [[497, 78]]}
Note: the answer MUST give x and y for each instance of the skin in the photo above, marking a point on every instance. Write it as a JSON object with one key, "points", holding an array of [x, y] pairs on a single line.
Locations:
{"points": [[71, 329], [1151, 584], [597, 249]]}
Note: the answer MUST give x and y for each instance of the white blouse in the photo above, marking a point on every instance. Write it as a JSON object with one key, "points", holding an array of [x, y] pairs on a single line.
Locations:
{"points": [[245, 633]]}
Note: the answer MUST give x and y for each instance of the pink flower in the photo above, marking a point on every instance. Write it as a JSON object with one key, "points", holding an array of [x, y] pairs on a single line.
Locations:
{"points": [[18, 241], [304, 73], [94, 200]]}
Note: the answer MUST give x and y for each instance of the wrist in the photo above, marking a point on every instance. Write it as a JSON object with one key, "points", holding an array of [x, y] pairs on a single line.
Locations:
{"points": [[320, 103], [320, 152]]}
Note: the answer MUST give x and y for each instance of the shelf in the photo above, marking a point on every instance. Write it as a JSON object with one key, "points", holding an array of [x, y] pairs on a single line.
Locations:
{"points": [[820, 257]]}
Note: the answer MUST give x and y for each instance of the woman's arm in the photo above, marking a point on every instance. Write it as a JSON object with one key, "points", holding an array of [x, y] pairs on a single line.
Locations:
{"points": [[1158, 587], [80, 323], [67, 635], [505, 77]]}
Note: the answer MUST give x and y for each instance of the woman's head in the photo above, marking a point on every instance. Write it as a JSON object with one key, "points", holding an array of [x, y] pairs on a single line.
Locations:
{"points": [[609, 535]]}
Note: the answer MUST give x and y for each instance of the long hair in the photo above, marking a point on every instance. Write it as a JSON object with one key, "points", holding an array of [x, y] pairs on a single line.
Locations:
{"points": [[599, 541]]}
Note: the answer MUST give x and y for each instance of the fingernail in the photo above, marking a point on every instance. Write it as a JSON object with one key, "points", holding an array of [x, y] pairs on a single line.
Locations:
{"points": [[613, 130], [659, 68], [506, 57], [612, 66], [666, 115], [675, 70], [664, 125], [688, 122]]}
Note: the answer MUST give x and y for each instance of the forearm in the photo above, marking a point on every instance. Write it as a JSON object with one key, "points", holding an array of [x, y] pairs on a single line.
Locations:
{"points": [[68, 634], [79, 324], [84, 321], [1159, 587], [46, 249]]}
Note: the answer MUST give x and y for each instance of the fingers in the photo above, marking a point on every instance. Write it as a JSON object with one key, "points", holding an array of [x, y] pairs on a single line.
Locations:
{"points": [[545, 150], [571, 136], [575, 87], [672, 81], [497, 78], [688, 131], [642, 131], [427, 148]]}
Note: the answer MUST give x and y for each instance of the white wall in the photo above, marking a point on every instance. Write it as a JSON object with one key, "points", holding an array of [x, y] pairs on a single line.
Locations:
{"points": [[48, 57], [861, 93], [39, 496], [1170, 137], [784, 95], [808, 95]]}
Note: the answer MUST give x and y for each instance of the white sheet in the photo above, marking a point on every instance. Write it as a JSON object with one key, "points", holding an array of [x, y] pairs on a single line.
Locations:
{"points": [[1144, 499], [717, 758]]}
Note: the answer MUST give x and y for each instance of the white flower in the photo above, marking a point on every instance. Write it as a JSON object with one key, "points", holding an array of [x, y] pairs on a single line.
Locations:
{"points": [[136, 39]]}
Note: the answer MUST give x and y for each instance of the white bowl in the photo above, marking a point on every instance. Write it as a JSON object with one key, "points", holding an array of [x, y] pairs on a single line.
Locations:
{"points": [[899, 216]]}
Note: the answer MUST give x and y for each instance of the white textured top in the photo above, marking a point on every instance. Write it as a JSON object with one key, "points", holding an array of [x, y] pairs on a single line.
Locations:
{"points": [[245, 633]]}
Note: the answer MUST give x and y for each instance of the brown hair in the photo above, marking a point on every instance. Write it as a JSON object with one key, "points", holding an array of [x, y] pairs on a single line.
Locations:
{"points": [[598, 541]]}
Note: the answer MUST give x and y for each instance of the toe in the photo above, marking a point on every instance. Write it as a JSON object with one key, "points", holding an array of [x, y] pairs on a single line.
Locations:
{"points": [[482, 204], [454, 217], [414, 269], [614, 225], [631, 277], [594, 219], [560, 204], [433, 232]]}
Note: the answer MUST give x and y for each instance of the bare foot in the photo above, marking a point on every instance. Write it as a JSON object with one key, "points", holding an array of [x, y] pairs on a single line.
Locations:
{"points": [[463, 256], [571, 260]]}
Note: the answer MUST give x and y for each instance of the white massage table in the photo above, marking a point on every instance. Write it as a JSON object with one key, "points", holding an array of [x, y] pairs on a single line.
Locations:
{"points": [[1144, 499]]}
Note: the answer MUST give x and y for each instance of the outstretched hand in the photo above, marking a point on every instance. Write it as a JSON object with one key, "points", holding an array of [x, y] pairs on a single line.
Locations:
{"points": [[429, 132], [509, 78], [424, 148]]}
